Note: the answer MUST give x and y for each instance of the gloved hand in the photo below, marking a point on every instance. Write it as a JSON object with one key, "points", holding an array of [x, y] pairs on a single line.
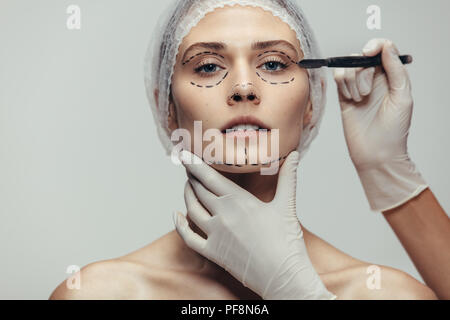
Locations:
{"points": [[260, 244], [376, 109]]}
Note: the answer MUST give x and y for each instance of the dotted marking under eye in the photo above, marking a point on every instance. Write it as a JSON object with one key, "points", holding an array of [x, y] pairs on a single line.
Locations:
{"points": [[274, 83], [210, 86], [205, 52]]}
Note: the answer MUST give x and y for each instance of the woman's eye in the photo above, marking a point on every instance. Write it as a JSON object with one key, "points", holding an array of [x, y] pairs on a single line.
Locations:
{"points": [[207, 68], [210, 68], [272, 65]]}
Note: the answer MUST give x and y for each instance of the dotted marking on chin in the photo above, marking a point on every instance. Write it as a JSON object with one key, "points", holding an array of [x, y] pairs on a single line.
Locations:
{"points": [[210, 86], [240, 165]]}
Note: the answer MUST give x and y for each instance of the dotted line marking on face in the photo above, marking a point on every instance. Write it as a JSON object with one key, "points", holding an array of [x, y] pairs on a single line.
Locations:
{"points": [[200, 53], [243, 85], [274, 83], [219, 82], [276, 51], [219, 55], [210, 86], [240, 165]]}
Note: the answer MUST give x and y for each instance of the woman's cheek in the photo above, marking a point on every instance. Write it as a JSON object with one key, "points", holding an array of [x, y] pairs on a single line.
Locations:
{"points": [[192, 105], [288, 115], [186, 101]]}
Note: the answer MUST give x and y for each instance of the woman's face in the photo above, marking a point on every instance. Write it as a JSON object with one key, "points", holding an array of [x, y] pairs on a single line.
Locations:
{"points": [[216, 84]]}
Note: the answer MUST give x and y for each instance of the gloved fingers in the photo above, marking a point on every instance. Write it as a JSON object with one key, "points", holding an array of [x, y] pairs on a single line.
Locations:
{"points": [[350, 81], [209, 177], [399, 83], [192, 239], [204, 197], [339, 74], [359, 80], [395, 70], [364, 80], [344, 95], [287, 180], [196, 211]]}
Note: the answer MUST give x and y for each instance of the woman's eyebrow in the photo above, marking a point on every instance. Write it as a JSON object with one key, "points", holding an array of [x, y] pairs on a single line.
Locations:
{"points": [[261, 45], [257, 45], [205, 45]]}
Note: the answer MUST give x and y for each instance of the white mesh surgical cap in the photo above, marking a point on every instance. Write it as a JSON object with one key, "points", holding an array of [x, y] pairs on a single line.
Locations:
{"points": [[175, 24]]}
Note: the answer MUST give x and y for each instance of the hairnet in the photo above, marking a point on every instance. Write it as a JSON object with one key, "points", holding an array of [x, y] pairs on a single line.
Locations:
{"points": [[176, 22]]}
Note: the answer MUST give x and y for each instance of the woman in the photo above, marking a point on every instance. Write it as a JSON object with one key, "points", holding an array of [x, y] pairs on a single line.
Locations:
{"points": [[168, 268]]}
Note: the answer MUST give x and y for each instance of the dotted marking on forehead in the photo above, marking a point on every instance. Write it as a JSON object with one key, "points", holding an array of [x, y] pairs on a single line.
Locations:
{"points": [[204, 52], [210, 86]]}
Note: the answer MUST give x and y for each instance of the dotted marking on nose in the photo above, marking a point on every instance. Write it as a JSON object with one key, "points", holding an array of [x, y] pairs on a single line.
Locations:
{"points": [[243, 85], [210, 86], [204, 52], [275, 83]]}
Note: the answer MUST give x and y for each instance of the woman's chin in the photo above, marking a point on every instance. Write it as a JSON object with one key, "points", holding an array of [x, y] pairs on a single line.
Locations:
{"points": [[263, 169], [237, 169]]}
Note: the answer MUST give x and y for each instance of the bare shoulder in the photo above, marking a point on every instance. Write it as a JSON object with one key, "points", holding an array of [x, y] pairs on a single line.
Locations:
{"points": [[376, 282], [145, 273], [114, 279]]}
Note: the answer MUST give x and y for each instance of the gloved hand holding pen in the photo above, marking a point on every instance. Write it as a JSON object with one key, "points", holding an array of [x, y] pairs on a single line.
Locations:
{"points": [[260, 244], [376, 109]]}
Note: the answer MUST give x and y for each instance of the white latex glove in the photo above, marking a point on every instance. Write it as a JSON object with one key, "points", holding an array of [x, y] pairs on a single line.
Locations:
{"points": [[260, 244], [376, 109]]}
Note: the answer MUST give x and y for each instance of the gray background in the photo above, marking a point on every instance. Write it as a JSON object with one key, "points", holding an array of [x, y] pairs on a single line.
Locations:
{"points": [[83, 176]]}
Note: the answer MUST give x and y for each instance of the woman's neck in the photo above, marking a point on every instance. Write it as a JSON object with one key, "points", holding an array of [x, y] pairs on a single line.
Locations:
{"points": [[262, 187]]}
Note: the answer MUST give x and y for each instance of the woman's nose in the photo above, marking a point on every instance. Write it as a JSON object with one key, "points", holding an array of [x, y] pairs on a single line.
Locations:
{"points": [[244, 93]]}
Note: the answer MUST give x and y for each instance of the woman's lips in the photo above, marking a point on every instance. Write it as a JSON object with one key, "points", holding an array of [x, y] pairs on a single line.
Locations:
{"points": [[245, 133], [245, 120]]}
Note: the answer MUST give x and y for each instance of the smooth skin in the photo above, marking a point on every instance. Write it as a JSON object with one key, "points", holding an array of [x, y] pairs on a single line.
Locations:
{"points": [[423, 228], [167, 268]]}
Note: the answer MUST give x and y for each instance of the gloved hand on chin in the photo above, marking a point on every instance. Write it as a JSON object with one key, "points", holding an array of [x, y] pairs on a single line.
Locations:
{"points": [[260, 244]]}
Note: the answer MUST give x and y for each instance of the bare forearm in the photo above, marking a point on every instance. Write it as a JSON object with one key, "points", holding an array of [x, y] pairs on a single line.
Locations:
{"points": [[423, 228]]}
